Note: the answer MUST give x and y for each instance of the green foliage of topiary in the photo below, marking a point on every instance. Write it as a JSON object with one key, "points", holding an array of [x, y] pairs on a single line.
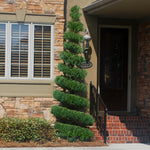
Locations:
{"points": [[73, 37], [75, 26], [73, 47], [72, 117], [71, 101], [74, 13], [69, 84], [73, 133], [71, 59], [25, 130], [74, 73], [73, 105]]}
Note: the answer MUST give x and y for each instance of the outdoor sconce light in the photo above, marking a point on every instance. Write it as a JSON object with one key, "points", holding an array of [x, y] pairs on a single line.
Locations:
{"points": [[87, 51]]}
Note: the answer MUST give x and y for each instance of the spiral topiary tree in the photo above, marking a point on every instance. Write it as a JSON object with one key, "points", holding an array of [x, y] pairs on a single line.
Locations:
{"points": [[72, 120]]}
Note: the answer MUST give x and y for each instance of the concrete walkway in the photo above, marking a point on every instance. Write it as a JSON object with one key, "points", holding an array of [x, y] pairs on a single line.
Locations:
{"points": [[110, 147]]}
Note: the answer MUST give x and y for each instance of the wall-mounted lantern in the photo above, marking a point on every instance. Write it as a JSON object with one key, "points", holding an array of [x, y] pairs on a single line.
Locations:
{"points": [[87, 51]]}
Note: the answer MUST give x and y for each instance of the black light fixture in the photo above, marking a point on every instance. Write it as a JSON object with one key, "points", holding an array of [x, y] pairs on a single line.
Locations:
{"points": [[87, 51]]}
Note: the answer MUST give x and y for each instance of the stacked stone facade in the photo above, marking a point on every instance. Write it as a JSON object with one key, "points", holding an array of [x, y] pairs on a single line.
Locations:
{"points": [[26, 107], [144, 69]]}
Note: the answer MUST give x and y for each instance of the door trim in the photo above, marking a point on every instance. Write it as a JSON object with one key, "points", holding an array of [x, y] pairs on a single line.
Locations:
{"points": [[129, 60]]}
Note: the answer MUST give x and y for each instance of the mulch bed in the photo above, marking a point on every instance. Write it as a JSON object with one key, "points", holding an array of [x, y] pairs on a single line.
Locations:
{"points": [[58, 143]]}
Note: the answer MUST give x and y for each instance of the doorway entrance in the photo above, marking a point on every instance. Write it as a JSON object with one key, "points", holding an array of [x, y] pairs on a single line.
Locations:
{"points": [[114, 44]]}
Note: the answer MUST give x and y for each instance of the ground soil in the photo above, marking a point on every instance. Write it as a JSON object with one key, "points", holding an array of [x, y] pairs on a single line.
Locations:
{"points": [[58, 143]]}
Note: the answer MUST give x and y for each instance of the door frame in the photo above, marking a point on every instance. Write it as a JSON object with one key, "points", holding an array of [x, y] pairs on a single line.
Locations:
{"points": [[129, 60]]}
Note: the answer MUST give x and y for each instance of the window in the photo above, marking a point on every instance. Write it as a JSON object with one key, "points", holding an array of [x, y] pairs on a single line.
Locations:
{"points": [[2, 49], [42, 49], [26, 51], [19, 50]]}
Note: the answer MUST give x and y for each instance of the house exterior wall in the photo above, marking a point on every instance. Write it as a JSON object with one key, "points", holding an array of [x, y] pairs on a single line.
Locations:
{"points": [[36, 100], [25, 98], [27, 107], [144, 69]]}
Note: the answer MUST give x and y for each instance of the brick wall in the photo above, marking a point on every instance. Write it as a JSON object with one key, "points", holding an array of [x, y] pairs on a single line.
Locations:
{"points": [[144, 69], [26, 107]]}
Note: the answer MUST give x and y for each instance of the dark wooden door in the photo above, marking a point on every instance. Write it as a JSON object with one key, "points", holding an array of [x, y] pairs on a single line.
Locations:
{"points": [[114, 67]]}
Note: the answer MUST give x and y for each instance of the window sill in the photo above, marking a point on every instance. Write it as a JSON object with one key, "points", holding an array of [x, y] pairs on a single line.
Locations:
{"points": [[22, 88], [27, 81]]}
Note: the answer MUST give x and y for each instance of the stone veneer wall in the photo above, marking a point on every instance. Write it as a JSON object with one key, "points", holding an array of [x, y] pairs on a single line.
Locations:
{"points": [[26, 107], [144, 69]]}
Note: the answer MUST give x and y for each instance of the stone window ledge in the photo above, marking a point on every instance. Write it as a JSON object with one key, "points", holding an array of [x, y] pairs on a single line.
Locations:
{"points": [[22, 16]]}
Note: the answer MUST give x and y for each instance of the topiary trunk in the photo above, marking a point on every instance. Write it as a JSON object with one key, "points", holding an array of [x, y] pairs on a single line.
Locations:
{"points": [[72, 121]]}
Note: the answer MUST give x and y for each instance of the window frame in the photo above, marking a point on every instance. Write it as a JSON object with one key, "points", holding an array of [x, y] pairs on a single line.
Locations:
{"points": [[30, 76], [5, 47]]}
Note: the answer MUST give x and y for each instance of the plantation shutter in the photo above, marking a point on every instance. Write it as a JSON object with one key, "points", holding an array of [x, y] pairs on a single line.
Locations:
{"points": [[42, 51], [19, 50], [2, 49]]}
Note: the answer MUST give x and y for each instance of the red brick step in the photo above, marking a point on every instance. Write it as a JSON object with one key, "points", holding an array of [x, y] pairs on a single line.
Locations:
{"points": [[125, 129]]}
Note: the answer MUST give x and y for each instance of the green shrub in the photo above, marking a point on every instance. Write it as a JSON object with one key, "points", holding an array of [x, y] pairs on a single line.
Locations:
{"points": [[71, 59], [69, 84], [73, 47], [25, 130], [74, 13], [71, 101], [73, 105], [74, 73], [66, 115], [73, 37], [73, 133], [75, 26]]}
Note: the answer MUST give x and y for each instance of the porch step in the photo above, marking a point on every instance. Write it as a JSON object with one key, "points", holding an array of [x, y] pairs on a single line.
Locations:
{"points": [[125, 129]]}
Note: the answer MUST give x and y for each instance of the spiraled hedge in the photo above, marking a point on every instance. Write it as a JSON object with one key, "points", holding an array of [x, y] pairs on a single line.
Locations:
{"points": [[74, 13], [73, 37], [72, 59], [70, 84], [75, 26], [25, 130], [74, 73], [73, 47], [72, 116], [72, 119], [71, 101], [73, 132]]}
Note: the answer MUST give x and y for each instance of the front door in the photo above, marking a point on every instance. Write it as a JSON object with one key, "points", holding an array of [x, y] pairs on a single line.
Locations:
{"points": [[114, 67]]}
